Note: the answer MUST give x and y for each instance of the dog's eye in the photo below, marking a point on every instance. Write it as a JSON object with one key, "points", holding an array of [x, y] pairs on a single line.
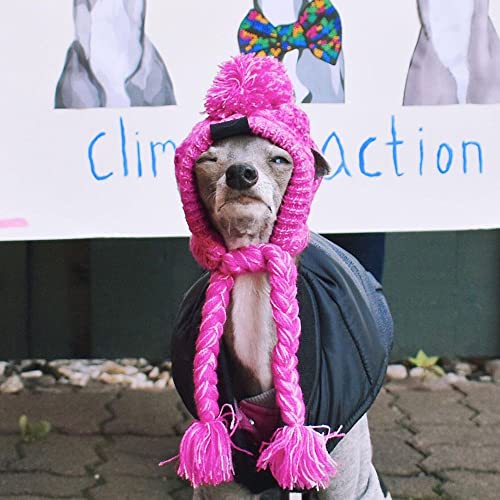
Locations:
{"points": [[280, 160], [206, 158]]}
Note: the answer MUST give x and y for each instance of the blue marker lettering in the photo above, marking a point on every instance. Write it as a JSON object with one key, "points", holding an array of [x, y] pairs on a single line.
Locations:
{"points": [[342, 165], [91, 158], [465, 145], [362, 150], [124, 147], [139, 161], [153, 146], [421, 150], [395, 143], [450, 158]]}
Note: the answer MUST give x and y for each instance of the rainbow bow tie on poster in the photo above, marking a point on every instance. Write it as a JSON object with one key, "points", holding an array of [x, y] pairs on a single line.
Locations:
{"points": [[403, 97], [318, 29]]}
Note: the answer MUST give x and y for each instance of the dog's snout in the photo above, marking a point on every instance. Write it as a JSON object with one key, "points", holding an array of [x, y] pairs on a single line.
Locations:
{"points": [[241, 176]]}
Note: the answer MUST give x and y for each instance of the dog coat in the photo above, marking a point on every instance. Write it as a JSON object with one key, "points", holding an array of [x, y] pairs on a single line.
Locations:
{"points": [[346, 338]]}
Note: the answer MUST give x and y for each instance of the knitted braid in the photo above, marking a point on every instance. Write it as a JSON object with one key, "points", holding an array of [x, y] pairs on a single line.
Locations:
{"points": [[283, 279]]}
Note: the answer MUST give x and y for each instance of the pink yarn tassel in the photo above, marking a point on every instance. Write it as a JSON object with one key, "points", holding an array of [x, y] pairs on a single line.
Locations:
{"points": [[298, 458], [205, 454]]}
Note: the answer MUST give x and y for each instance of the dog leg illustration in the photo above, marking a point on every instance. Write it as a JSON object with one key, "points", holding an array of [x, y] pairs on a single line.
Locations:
{"points": [[150, 84], [325, 82], [112, 63], [78, 87], [484, 54], [457, 57]]}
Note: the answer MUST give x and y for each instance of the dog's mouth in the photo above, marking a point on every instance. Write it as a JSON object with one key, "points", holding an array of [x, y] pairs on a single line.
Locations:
{"points": [[243, 219], [244, 200]]}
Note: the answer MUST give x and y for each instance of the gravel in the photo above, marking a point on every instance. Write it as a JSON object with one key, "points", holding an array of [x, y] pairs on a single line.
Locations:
{"points": [[80, 373]]}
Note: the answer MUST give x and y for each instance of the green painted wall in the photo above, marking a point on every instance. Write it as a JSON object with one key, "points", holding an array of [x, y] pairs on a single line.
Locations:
{"points": [[44, 299], [113, 298], [136, 288], [444, 292], [13, 300]]}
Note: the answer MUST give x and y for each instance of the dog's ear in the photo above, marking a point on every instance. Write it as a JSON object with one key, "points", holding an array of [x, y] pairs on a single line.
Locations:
{"points": [[321, 166]]}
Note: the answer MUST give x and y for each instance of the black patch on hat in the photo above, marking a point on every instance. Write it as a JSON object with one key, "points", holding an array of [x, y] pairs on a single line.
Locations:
{"points": [[223, 130]]}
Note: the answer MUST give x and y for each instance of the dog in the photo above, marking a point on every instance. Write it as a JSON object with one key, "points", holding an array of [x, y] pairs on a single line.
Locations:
{"points": [[112, 63], [314, 80], [457, 57], [264, 342], [241, 182]]}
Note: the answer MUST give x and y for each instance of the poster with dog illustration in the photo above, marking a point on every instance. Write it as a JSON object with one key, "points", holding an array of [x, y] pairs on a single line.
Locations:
{"points": [[403, 99]]}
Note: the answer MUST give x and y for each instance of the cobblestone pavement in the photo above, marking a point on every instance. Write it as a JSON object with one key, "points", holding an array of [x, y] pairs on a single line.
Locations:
{"points": [[442, 442]]}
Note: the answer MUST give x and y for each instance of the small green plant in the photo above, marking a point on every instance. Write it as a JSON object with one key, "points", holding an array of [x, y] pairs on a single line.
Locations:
{"points": [[33, 431], [428, 363]]}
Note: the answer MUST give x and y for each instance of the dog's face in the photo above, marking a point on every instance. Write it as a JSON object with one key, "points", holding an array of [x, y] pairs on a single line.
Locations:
{"points": [[241, 181]]}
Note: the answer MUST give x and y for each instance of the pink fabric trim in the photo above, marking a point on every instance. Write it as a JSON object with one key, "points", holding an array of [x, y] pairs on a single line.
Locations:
{"points": [[265, 420]]}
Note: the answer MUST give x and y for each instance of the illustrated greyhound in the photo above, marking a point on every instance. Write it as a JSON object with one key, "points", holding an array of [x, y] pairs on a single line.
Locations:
{"points": [[112, 63], [457, 57]]}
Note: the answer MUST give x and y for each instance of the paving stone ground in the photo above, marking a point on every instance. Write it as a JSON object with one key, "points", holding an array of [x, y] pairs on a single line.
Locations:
{"points": [[106, 445]]}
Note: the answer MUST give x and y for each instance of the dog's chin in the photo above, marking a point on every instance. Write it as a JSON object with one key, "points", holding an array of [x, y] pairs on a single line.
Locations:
{"points": [[243, 224]]}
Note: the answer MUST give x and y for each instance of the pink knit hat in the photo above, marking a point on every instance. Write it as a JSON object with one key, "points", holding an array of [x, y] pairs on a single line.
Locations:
{"points": [[258, 89], [252, 95]]}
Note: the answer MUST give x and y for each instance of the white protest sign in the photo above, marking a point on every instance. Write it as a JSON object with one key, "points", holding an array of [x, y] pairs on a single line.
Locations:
{"points": [[108, 171]]}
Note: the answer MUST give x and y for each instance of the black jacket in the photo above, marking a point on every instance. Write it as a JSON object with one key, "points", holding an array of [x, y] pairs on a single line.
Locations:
{"points": [[346, 338]]}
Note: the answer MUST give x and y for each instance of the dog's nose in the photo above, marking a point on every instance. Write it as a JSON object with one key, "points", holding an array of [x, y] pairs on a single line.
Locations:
{"points": [[241, 176]]}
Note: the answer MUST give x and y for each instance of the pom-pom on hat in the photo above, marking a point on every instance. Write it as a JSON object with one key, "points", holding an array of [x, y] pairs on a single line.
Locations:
{"points": [[252, 95]]}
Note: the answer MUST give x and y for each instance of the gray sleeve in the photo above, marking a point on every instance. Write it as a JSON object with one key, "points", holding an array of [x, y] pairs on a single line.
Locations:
{"points": [[356, 476]]}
